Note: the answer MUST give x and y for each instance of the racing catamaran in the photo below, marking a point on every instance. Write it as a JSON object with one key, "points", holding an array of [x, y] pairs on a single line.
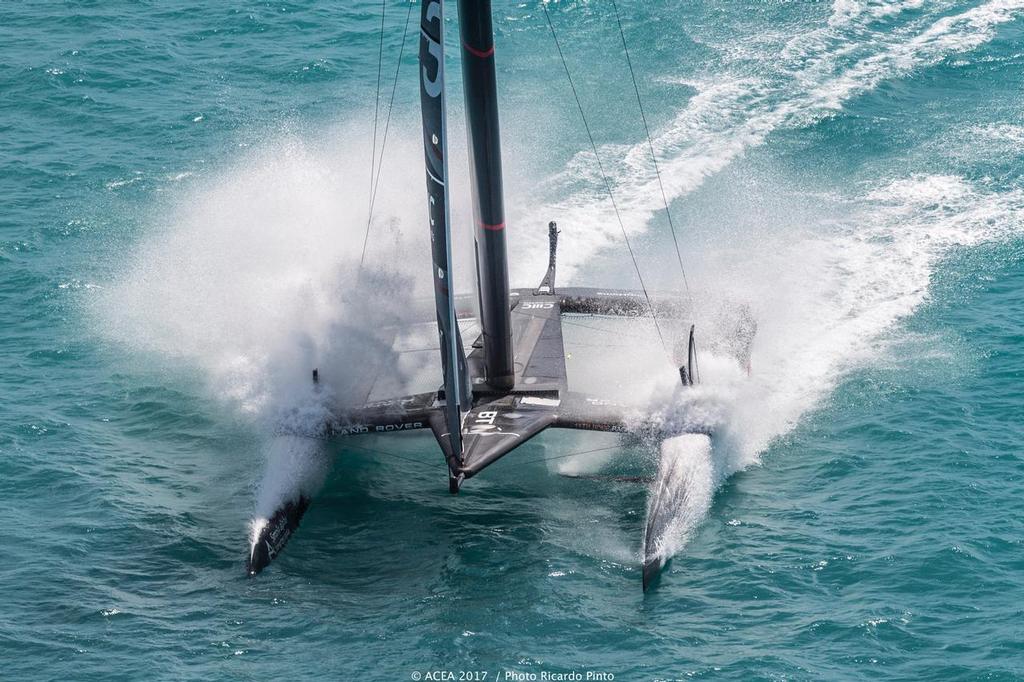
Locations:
{"points": [[512, 384]]}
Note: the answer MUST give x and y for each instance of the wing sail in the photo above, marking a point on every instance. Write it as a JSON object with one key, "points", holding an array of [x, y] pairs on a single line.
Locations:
{"points": [[435, 147]]}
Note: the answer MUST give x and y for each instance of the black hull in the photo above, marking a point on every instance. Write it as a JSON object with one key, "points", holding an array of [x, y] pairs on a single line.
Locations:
{"points": [[274, 535], [498, 421]]}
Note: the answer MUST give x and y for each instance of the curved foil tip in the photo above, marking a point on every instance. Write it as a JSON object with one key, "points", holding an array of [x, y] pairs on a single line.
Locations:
{"points": [[652, 569]]}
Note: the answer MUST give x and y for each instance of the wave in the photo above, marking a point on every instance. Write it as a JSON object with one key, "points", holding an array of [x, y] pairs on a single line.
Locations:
{"points": [[733, 113]]}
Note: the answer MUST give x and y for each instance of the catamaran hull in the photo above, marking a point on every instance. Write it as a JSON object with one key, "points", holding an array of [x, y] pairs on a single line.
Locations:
{"points": [[681, 492], [499, 421], [273, 533]]}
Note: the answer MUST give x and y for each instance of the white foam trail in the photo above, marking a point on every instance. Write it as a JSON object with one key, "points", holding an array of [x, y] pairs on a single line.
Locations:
{"points": [[845, 12], [733, 114]]}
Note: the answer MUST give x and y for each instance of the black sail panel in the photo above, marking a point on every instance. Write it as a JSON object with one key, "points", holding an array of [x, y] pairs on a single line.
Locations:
{"points": [[435, 146]]}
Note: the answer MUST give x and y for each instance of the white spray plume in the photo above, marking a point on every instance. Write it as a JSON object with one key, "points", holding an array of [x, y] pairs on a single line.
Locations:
{"points": [[252, 277]]}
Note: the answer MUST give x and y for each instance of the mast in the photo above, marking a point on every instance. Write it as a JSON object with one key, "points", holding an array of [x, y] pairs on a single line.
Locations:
{"points": [[481, 93], [435, 146]]}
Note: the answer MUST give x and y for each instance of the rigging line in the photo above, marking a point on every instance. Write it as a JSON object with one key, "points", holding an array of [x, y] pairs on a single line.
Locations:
{"points": [[386, 453], [387, 121], [650, 145], [607, 183], [376, 116], [571, 454]]}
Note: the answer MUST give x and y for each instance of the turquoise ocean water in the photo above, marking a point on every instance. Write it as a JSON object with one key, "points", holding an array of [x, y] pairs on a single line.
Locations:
{"points": [[183, 198]]}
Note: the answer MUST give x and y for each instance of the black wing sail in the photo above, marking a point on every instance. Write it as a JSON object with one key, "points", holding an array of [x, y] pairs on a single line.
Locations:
{"points": [[435, 146]]}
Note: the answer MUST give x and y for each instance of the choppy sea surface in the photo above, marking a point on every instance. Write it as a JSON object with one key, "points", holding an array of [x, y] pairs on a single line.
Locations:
{"points": [[185, 192]]}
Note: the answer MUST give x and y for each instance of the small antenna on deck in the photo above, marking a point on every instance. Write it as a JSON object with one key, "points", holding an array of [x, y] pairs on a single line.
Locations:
{"points": [[547, 285]]}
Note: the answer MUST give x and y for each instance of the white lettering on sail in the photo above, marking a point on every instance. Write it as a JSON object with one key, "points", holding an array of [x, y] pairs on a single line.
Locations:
{"points": [[434, 87]]}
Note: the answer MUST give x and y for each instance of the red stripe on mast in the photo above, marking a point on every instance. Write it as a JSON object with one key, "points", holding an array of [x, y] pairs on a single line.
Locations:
{"points": [[477, 53]]}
